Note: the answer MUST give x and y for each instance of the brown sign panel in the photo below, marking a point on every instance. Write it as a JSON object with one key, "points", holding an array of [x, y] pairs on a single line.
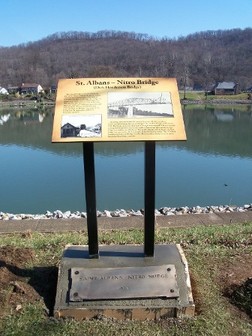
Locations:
{"points": [[123, 283], [117, 109]]}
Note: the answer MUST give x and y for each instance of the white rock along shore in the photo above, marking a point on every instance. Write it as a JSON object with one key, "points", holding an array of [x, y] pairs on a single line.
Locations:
{"points": [[164, 211]]}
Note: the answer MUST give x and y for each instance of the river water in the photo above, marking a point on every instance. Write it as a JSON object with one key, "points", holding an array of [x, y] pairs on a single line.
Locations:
{"points": [[213, 167]]}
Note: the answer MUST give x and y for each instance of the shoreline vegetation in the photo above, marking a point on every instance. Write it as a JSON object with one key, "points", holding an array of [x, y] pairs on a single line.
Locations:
{"points": [[186, 98]]}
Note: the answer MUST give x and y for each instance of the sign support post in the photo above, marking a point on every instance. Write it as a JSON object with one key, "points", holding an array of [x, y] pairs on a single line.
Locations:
{"points": [[89, 172], [149, 212], [149, 199]]}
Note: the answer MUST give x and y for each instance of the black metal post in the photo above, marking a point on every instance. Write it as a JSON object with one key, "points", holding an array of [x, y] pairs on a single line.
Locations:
{"points": [[149, 199], [89, 172]]}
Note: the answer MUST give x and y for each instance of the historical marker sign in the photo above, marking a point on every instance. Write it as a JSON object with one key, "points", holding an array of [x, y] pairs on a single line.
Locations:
{"points": [[120, 109], [117, 109]]}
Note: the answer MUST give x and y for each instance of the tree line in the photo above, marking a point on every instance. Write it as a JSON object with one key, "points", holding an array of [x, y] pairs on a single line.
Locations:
{"points": [[198, 60]]}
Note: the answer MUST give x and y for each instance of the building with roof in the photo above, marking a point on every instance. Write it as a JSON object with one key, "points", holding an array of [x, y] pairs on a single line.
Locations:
{"points": [[68, 130], [226, 88], [31, 88], [3, 91]]}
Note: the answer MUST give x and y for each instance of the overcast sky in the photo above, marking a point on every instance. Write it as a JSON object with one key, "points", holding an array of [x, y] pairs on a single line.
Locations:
{"points": [[29, 20]]}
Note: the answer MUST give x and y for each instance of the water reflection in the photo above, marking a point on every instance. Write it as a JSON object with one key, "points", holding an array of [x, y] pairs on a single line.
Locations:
{"points": [[222, 116], [220, 131], [4, 118], [212, 167], [214, 130]]}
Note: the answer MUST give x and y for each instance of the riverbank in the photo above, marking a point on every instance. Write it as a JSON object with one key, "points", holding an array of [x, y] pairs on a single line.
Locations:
{"points": [[122, 213], [216, 102], [191, 98], [32, 104], [58, 221], [79, 224], [25, 104]]}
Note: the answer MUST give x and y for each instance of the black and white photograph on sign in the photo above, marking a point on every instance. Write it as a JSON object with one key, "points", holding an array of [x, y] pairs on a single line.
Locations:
{"points": [[84, 126], [139, 104]]}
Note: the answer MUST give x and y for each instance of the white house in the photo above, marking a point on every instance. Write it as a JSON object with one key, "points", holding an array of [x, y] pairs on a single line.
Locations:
{"points": [[31, 88], [3, 91]]}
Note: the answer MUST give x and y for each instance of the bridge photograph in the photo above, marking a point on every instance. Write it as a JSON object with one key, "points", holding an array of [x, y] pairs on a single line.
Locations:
{"points": [[139, 104]]}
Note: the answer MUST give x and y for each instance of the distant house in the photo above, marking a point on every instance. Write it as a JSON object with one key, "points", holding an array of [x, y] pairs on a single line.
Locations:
{"points": [[13, 89], [226, 88], [3, 91], [68, 130], [30, 88]]}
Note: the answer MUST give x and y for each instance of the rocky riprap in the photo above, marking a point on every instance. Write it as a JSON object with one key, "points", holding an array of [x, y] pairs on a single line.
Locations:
{"points": [[164, 211]]}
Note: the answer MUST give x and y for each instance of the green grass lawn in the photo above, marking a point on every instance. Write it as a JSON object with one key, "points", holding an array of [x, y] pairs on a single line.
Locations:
{"points": [[198, 95], [209, 251]]}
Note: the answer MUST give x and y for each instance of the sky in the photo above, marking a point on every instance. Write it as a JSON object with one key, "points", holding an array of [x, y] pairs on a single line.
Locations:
{"points": [[29, 20]]}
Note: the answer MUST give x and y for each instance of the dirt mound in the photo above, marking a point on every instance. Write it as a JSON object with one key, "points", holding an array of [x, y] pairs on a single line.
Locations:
{"points": [[241, 296], [15, 278], [236, 280]]}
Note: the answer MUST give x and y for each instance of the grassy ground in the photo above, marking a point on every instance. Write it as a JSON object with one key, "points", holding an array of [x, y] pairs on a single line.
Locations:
{"points": [[199, 95], [219, 261]]}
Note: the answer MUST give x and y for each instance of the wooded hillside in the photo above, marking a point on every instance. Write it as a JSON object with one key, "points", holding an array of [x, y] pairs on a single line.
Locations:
{"points": [[197, 60]]}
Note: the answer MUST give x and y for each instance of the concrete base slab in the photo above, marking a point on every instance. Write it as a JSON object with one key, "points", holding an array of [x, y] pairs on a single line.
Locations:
{"points": [[121, 257]]}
